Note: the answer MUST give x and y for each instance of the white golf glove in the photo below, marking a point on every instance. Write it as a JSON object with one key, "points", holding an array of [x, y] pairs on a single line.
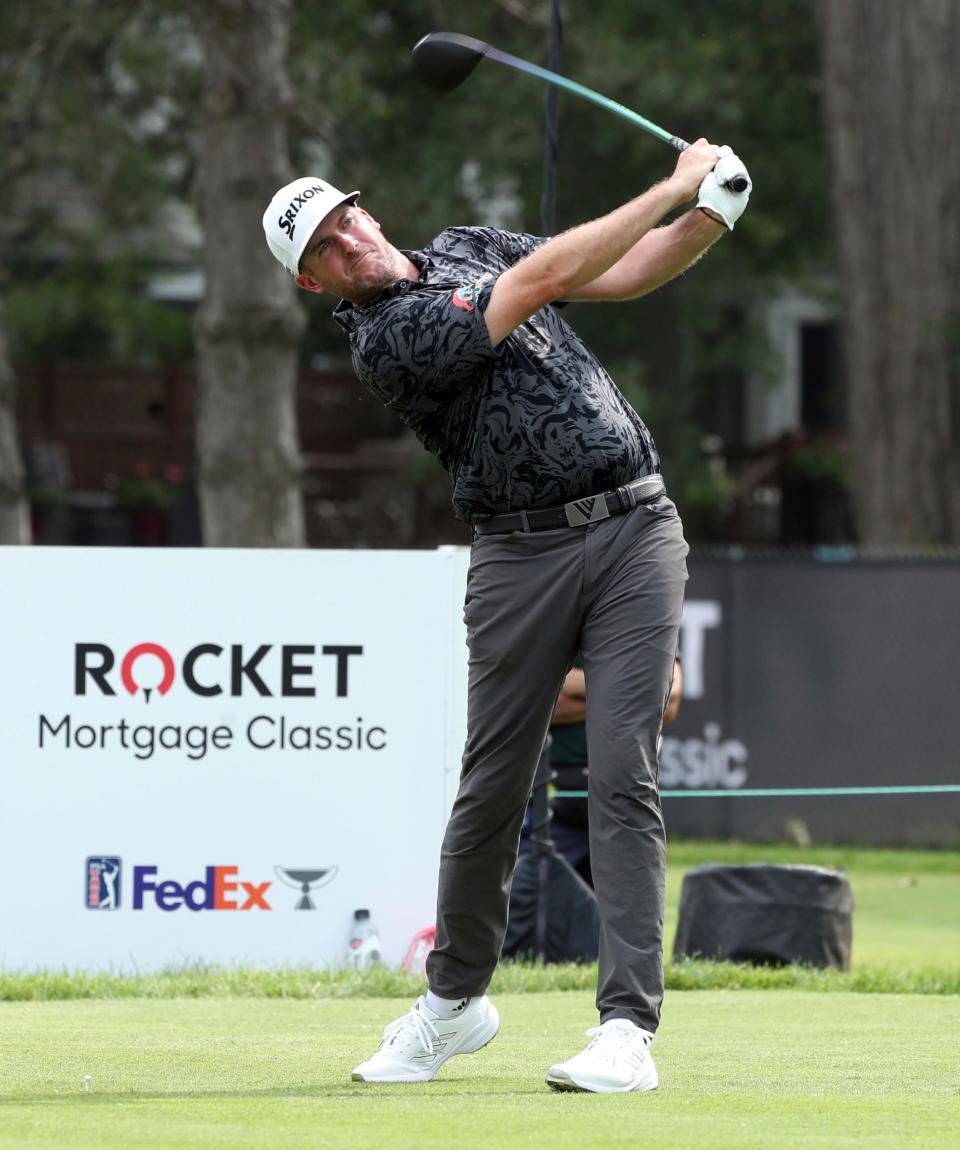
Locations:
{"points": [[717, 196]]}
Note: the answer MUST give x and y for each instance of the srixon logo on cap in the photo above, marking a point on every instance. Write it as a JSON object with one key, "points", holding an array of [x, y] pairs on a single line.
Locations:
{"points": [[286, 221]]}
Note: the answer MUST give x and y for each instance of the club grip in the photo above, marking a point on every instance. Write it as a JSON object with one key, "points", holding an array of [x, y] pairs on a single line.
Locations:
{"points": [[737, 184]]}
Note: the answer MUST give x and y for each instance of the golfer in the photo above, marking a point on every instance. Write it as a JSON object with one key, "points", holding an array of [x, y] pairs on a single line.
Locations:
{"points": [[576, 547]]}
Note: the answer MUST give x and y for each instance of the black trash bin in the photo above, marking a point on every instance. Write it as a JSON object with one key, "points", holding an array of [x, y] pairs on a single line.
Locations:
{"points": [[766, 914]]}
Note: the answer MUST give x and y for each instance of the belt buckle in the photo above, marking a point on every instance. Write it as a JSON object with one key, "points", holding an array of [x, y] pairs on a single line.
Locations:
{"points": [[583, 511]]}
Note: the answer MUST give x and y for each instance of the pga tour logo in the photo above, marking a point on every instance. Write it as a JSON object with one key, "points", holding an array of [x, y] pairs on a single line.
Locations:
{"points": [[103, 882], [219, 889]]}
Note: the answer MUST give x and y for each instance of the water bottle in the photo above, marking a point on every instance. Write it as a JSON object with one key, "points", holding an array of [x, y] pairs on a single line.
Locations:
{"points": [[364, 949]]}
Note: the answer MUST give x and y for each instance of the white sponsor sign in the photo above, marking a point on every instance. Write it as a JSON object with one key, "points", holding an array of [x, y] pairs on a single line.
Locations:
{"points": [[218, 756]]}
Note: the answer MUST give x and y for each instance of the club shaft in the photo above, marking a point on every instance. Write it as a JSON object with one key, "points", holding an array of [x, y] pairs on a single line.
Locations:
{"points": [[586, 94]]}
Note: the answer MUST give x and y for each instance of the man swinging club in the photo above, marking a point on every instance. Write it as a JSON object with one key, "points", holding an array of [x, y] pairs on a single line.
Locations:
{"points": [[576, 547]]}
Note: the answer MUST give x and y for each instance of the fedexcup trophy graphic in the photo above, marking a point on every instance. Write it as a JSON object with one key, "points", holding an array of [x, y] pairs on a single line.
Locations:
{"points": [[306, 881]]}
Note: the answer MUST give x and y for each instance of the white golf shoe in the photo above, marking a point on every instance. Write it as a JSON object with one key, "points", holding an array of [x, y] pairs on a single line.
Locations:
{"points": [[616, 1061], [415, 1046]]}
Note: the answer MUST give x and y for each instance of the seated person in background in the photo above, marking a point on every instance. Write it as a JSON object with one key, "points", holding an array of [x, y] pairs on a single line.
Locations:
{"points": [[568, 760]]}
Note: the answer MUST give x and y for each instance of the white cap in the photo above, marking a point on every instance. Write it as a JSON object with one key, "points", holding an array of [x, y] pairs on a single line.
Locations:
{"points": [[294, 213]]}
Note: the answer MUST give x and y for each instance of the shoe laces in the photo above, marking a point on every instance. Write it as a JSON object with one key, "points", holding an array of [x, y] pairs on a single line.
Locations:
{"points": [[611, 1037], [412, 1025]]}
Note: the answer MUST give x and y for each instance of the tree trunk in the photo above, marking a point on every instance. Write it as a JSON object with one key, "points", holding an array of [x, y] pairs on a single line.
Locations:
{"points": [[249, 325], [892, 105], [14, 511]]}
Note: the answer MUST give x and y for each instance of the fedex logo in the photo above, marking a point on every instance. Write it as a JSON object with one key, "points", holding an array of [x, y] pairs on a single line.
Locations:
{"points": [[218, 890]]}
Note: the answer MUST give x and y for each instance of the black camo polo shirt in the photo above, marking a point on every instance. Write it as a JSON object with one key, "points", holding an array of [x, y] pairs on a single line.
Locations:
{"points": [[534, 422]]}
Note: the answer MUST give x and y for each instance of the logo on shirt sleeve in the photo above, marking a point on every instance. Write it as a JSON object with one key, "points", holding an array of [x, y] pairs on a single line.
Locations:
{"points": [[466, 297]]}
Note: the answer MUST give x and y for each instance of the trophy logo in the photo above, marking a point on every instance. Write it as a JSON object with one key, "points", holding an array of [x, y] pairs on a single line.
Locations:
{"points": [[306, 880]]}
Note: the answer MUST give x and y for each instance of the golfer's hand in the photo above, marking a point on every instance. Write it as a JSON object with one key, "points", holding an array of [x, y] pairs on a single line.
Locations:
{"points": [[694, 164], [717, 197]]}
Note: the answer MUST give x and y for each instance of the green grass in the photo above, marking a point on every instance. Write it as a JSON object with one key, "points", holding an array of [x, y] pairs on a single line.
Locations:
{"points": [[756, 1070], [311, 983], [906, 940], [686, 854], [205, 1058]]}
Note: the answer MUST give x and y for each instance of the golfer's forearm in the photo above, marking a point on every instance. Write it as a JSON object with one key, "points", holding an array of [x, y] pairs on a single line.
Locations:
{"points": [[582, 254], [555, 270], [655, 259]]}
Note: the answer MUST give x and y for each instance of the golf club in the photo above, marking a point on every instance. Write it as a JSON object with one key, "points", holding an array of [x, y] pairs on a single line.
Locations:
{"points": [[446, 59]]}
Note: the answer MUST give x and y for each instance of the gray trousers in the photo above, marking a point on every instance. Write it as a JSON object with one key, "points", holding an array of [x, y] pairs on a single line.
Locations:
{"points": [[613, 591]]}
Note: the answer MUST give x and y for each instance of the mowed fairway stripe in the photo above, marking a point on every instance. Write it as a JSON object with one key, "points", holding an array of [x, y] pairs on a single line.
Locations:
{"points": [[739, 1070]]}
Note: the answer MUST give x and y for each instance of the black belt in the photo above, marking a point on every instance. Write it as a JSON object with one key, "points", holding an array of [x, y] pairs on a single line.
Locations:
{"points": [[579, 512]]}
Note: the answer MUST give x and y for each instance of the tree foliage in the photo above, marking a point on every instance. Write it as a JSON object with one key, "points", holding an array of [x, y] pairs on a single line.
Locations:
{"points": [[744, 73], [96, 108], [101, 132]]}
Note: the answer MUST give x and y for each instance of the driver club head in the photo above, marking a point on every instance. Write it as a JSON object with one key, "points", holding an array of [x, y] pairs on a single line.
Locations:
{"points": [[446, 59]]}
